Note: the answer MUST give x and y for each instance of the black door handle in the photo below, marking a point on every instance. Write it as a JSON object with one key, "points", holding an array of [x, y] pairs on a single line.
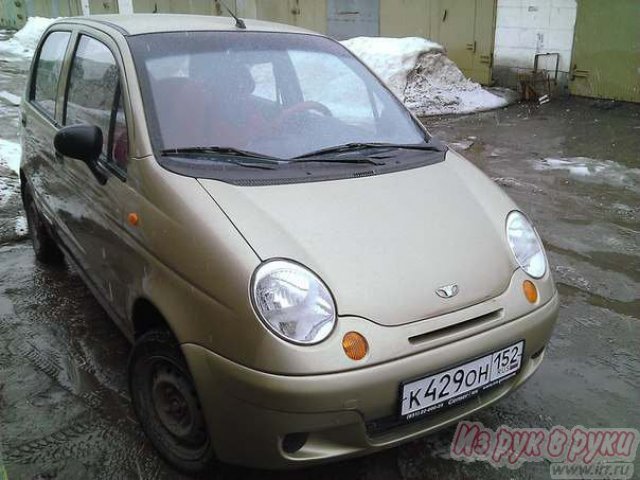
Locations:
{"points": [[23, 121]]}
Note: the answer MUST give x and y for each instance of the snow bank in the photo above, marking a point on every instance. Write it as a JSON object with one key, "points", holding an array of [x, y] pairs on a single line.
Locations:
{"points": [[10, 153], [10, 98], [9, 186], [392, 58], [25, 40], [419, 72]]}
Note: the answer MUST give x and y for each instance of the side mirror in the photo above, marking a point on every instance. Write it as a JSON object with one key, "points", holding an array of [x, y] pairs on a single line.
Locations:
{"points": [[82, 142]]}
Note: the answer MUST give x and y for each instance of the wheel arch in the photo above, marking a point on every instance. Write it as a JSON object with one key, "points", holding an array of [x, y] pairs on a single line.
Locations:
{"points": [[145, 316], [23, 184]]}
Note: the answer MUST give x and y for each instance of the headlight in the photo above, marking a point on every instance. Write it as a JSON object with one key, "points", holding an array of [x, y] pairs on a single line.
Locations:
{"points": [[526, 245], [293, 302]]}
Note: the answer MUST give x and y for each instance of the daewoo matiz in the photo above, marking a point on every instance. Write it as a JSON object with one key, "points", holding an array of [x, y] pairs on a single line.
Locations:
{"points": [[306, 275]]}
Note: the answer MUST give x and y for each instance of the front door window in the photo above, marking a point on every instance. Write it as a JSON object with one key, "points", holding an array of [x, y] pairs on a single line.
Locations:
{"points": [[95, 97]]}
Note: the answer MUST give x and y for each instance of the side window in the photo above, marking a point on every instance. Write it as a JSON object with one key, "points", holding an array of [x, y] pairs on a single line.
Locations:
{"points": [[47, 72], [334, 85], [119, 141], [94, 97], [265, 81]]}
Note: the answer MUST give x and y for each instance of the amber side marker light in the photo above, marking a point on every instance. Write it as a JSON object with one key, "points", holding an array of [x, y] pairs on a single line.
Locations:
{"points": [[133, 219], [355, 345], [530, 291]]}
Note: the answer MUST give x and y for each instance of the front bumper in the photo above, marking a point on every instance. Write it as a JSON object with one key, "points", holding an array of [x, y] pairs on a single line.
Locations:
{"points": [[347, 413]]}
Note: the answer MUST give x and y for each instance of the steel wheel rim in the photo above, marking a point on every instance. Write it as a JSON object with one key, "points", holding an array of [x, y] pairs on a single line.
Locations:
{"points": [[176, 407]]}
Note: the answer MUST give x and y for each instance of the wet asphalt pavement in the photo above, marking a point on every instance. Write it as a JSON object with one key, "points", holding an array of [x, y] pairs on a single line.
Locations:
{"points": [[573, 165]]}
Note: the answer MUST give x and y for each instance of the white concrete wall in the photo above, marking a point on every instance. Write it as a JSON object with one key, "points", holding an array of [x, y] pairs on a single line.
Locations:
{"points": [[125, 6], [527, 27], [85, 7]]}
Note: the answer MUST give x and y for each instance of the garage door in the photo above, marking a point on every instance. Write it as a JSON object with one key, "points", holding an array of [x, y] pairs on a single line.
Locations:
{"points": [[353, 18], [606, 50]]}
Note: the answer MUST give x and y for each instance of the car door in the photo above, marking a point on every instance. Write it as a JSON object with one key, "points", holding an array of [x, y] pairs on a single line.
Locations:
{"points": [[94, 210], [39, 117]]}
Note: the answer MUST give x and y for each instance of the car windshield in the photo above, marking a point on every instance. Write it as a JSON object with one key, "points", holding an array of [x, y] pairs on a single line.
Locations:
{"points": [[275, 94]]}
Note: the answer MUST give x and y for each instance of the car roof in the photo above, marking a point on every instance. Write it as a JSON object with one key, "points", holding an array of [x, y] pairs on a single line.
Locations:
{"points": [[141, 23]]}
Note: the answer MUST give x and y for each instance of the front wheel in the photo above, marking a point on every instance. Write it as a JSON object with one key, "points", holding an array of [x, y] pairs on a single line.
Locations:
{"points": [[165, 400]]}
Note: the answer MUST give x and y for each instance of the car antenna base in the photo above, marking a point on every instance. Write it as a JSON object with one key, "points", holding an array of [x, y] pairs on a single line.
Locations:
{"points": [[239, 22]]}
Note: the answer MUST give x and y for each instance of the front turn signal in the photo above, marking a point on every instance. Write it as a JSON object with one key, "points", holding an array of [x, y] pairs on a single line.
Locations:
{"points": [[355, 345], [530, 291]]}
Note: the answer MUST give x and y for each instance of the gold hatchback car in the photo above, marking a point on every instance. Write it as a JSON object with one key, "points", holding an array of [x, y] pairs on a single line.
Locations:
{"points": [[304, 272]]}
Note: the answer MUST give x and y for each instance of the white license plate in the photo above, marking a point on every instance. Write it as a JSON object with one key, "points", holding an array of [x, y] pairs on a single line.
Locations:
{"points": [[457, 384]]}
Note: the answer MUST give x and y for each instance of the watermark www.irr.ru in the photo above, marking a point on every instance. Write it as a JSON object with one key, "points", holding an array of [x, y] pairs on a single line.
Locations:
{"points": [[585, 453]]}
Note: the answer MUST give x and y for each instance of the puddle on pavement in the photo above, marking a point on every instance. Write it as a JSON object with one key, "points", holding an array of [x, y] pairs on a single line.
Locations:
{"points": [[592, 170], [55, 410]]}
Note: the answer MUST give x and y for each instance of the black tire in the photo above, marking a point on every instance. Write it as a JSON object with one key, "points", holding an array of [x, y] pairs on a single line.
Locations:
{"points": [[166, 403], [44, 246]]}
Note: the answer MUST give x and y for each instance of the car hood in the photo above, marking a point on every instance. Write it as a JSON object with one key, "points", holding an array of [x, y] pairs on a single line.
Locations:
{"points": [[385, 244]]}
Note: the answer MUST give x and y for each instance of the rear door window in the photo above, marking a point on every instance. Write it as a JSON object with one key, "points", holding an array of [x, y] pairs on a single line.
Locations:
{"points": [[264, 78], [47, 74], [94, 97]]}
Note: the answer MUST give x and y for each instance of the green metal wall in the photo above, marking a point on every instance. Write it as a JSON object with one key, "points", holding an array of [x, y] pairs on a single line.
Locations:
{"points": [[97, 7], [606, 50], [200, 7], [14, 13], [466, 28], [310, 14]]}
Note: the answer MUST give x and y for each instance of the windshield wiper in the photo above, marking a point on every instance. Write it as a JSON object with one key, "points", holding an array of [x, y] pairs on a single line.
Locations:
{"points": [[229, 151], [364, 160], [355, 146]]}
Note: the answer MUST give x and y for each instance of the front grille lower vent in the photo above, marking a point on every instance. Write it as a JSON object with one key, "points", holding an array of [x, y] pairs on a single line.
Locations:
{"points": [[482, 320]]}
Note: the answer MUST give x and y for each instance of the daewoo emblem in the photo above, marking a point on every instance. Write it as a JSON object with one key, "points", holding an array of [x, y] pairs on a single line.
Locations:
{"points": [[448, 291]]}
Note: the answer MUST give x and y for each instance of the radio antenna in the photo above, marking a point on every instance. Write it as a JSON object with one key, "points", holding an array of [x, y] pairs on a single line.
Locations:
{"points": [[239, 22]]}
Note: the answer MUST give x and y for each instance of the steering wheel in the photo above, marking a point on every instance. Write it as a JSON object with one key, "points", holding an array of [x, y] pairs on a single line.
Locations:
{"points": [[302, 107]]}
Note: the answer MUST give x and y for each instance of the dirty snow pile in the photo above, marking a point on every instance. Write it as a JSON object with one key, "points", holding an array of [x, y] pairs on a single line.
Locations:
{"points": [[10, 155], [25, 40], [419, 72], [9, 167]]}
